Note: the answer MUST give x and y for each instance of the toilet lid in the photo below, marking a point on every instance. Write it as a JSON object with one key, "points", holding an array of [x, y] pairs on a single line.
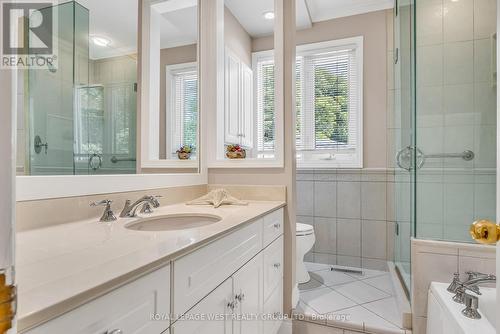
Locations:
{"points": [[304, 229]]}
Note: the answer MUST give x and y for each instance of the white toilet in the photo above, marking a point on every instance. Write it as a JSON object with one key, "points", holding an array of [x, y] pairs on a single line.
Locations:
{"points": [[305, 241]]}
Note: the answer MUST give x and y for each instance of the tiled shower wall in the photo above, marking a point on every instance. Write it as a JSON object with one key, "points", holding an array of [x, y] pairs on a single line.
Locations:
{"points": [[349, 212], [456, 111]]}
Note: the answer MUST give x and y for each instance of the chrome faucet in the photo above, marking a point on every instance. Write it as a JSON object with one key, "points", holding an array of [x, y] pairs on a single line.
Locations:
{"points": [[108, 215], [130, 210], [471, 284]]}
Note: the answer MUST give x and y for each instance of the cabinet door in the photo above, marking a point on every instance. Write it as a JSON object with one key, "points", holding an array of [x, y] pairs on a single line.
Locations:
{"points": [[248, 292], [232, 99], [247, 112], [129, 309], [208, 316]]}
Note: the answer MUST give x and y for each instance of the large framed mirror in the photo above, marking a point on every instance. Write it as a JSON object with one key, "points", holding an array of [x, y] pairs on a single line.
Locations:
{"points": [[92, 114], [170, 86], [249, 124], [79, 117]]}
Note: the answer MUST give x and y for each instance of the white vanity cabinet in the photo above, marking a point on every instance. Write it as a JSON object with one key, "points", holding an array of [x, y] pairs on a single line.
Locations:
{"points": [[252, 293], [231, 285], [125, 310]]}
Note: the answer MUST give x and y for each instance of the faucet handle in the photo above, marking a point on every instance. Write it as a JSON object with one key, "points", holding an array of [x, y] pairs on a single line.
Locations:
{"points": [[104, 202], [474, 274], [108, 215], [471, 305], [455, 283]]}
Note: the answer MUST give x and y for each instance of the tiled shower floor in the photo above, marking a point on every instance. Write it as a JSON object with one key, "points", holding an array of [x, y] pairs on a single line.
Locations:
{"points": [[362, 302]]}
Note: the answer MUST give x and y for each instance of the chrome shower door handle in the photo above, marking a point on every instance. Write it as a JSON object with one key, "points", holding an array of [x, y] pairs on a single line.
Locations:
{"points": [[405, 156]]}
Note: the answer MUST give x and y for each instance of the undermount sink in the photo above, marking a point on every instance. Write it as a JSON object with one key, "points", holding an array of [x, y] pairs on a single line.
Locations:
{"points": [[173, 222]]}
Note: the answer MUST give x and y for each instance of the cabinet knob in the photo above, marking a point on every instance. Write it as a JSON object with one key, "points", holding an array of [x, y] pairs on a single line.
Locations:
{"points": [[277, 225], [232, 305], [277, 265], [240, 297]]}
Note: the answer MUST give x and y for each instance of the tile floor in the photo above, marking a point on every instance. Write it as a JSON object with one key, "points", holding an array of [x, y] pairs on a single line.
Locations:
{"points": [[361, 302]]}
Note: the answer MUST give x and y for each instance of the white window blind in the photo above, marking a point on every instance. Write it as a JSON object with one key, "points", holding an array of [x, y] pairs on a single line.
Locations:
{"points": [[184, 107], [328, 104], [265, 105]]}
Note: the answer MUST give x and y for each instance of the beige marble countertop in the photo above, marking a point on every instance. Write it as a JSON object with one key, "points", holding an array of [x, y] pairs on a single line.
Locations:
{"points": [[64, 266]]}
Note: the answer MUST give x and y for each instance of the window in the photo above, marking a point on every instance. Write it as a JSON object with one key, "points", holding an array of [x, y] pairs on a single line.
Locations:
{"points": [[328, 102], [182, 99], [265, 107]]}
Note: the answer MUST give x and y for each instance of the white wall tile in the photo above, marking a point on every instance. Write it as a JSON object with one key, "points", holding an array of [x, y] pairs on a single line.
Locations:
{"points": [[349, 200], [305, 198], [432, 230], [458, 139], [458, 20], [430, 69], [485, 20], [459, 104], [458, 63], [429, 22], [430, 202], [427, 268], [325, 199], [430, 112], [325, 230], [485, 201], [374, 200], [348, 237], [482, 265], [373, 237], [482, 60], [485, 146], [485, 104], [458, 204]]}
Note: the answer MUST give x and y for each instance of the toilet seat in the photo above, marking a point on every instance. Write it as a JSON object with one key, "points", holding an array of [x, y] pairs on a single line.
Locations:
{"points": [[304, 229]]}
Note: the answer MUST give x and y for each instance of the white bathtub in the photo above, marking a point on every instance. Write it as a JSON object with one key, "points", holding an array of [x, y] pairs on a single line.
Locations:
{"points": [[444, 316]]}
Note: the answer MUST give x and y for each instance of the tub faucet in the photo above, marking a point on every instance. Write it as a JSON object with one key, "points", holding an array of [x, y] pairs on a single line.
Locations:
{"points": [[471, 284], [130, 210]]}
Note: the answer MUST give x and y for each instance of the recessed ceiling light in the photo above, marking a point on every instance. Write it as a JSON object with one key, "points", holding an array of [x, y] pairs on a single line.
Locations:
{"points": [[100, 41], [268, 15]]}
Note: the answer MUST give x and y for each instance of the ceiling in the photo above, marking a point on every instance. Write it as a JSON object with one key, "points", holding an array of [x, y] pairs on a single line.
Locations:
{"points": [[116, 20], [249, 13]]}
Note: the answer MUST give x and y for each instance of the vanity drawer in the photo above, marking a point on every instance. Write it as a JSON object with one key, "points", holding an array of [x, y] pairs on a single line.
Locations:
{"points": [[128, 309], [200, 272], [273, 226], [273, 267]]}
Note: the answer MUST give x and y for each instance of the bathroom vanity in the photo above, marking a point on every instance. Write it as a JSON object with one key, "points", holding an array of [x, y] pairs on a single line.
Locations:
{"points": [[208, 279]]}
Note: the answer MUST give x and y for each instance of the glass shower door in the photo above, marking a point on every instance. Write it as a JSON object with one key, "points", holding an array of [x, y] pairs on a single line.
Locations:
{"points": [[50, 103], [401, 133]]}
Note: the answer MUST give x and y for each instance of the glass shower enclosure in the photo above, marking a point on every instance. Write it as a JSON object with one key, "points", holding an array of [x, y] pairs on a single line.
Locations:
{"points": [[79, 119], [444, 121]]}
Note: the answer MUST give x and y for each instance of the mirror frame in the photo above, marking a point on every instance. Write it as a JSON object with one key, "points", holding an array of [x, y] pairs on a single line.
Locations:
{"points": [[216, 151], [57, 186], [148, 158]]}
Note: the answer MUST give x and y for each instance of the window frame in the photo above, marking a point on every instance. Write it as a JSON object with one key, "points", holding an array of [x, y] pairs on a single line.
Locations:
{"points": [[356, 160], [171, 71]]}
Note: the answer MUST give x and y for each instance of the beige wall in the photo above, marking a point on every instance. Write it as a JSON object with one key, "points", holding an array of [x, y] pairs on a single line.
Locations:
{"points": [[171, 56], [373, 27], [236, 38]]}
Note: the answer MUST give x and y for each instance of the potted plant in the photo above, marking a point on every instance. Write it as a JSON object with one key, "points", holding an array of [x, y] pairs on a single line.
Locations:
{"points": [[184, 152], [235, 152]]}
